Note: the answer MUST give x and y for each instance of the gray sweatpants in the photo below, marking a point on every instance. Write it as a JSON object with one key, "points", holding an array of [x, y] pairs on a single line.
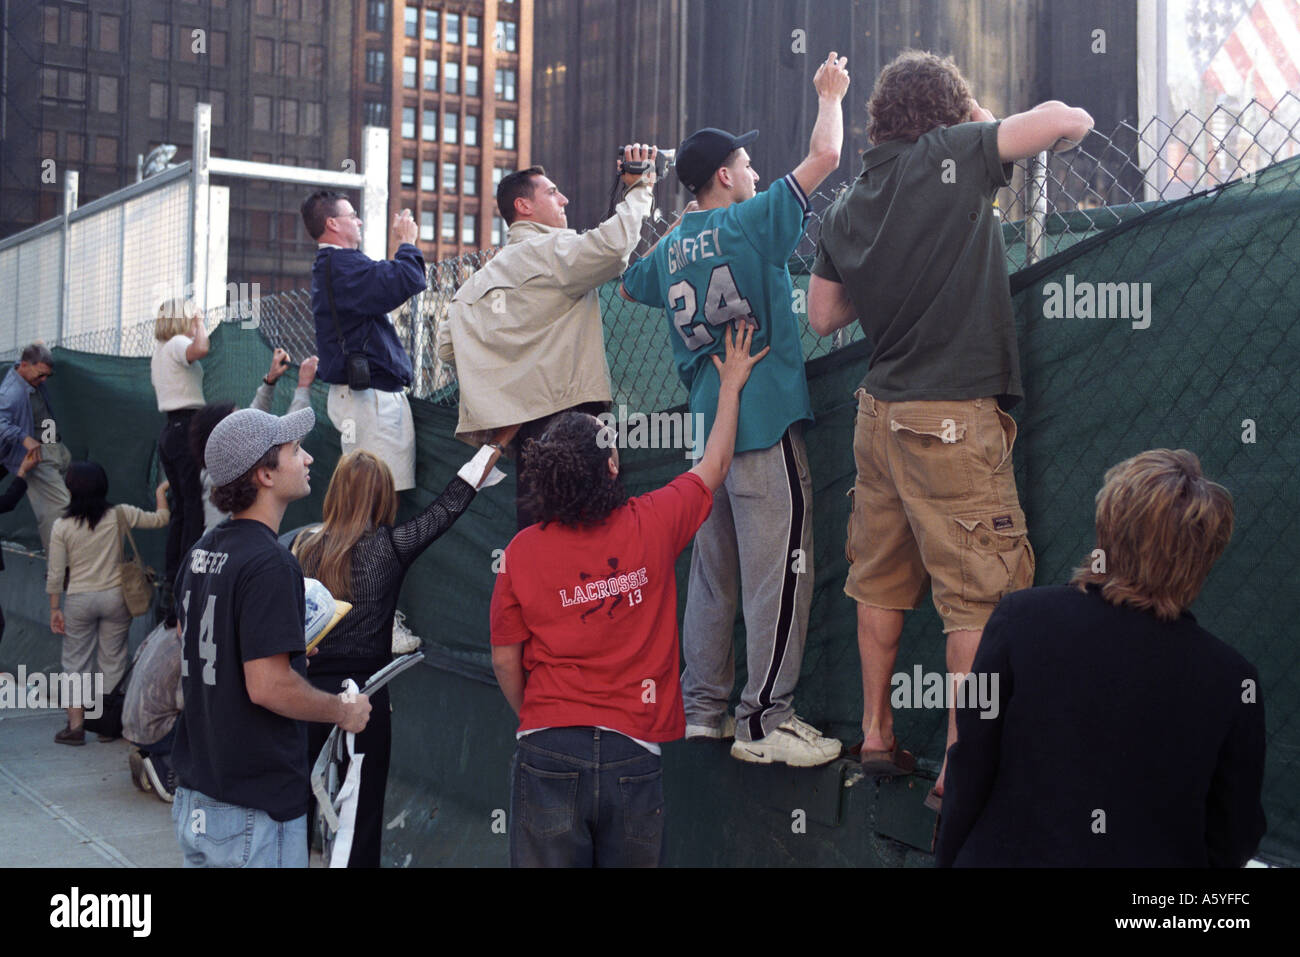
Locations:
{"points": [[757, 540]]}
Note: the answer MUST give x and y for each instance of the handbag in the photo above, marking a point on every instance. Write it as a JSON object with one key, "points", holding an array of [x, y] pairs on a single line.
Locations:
{"points": [[137, 577], [109, 722], [355, 364]]}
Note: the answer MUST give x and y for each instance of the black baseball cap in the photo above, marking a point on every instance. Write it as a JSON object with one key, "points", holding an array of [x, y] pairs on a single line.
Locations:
{"points": [[704, 151]]}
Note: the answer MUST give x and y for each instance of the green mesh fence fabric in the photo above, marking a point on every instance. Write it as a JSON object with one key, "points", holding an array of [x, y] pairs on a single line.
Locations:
{"points": [[1221, 348]]}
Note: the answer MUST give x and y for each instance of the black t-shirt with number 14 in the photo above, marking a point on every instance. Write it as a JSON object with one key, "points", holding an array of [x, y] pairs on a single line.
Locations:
{"points": [[239, 596]]}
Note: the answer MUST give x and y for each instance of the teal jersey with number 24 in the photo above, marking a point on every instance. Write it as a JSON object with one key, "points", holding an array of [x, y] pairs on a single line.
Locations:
{"points": [[722, 265]]}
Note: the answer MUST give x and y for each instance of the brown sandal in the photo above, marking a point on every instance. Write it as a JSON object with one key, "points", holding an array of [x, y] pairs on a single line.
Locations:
{"points": [[888, 764]]}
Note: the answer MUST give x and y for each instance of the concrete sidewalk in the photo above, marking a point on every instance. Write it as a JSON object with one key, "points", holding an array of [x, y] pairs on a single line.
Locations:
{"points": [[65, 806]]}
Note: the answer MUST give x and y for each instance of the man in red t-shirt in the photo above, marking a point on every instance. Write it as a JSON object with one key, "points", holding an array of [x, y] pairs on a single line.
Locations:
{"points": [[585, 641]]}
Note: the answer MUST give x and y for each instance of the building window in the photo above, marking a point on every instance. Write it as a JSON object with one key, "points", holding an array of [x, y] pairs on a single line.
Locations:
{"points": [[265, 8], [431, 126], [471, 129], [312, 11], [185, 99], [263, 55], [452, 32], [292, 10], [427, 176], [49, 82], [77, 28], [76, 147], [185, 44], [507, 34], [106, 150], [311, 119], [450, 126], [431, 75], [498, 230], [426, 225], [218, 98], [504, 85], [261, 112], [376, 16], [468, 229], [411, 17], [50, 17], [503, 133], [289, 116], [408, 122], [217, 47], [315, 65], [106, 95], [472, 30], [431, 24], [471, 179], [158, 101], [110, 33], [497, 173], [408, 171], [471, 79], [451, 77], [375, 66], [376, 113], [450, 178], [159, 42], [408, 72], [49, 143], [448, 226], [76, 85], [289, 59]]}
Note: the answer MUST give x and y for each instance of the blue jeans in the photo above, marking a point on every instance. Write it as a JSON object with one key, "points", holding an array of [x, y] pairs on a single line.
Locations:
{"points": [[583, 797], [215, 834]]}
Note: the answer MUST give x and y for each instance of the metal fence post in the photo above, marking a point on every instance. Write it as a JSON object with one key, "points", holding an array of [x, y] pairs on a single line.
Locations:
{"points": [[1036, 210], [70, 181], [374, 195], [198, 265]]}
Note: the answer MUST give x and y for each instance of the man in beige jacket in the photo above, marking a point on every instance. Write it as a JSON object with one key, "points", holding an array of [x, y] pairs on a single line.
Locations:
{"points": [[524, 332]]}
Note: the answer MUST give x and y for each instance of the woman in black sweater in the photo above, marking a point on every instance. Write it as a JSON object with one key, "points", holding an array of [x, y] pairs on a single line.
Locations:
{"points": [[362, 557], [1119, 732]]}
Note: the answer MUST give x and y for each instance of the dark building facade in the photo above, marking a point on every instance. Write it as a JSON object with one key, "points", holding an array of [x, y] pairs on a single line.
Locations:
{"points": [[609, 71], [95, 86]]}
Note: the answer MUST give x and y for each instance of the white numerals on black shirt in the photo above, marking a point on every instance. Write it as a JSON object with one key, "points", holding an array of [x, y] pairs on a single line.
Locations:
{"points": [[207, 646], [722, 304]]}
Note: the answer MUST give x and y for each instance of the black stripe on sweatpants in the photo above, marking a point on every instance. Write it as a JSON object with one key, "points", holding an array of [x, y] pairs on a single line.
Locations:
{"points": [[785, 612]]}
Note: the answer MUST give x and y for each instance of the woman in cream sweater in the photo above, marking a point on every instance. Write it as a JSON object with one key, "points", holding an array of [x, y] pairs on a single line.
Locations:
{"points": [[86, 544]]}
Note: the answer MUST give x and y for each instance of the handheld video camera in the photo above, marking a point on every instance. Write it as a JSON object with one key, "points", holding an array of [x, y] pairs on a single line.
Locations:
{"points": [[664, 161]]}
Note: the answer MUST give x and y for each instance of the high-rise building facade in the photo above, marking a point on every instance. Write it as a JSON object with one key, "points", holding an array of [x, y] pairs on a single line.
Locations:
{"points": [[95, 86], [452, 80]]}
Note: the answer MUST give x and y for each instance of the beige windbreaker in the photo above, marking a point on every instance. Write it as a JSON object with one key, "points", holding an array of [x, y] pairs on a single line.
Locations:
{"points": [[524, 332]]}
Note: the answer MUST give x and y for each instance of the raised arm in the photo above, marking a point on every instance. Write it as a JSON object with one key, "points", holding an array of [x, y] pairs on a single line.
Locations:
{"points": [[715, 462], [601, 254], [831, 82], [1051, 125], [199, 343]]}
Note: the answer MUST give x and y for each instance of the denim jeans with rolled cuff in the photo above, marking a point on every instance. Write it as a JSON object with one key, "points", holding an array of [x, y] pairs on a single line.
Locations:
{"points": [[585, 797]]}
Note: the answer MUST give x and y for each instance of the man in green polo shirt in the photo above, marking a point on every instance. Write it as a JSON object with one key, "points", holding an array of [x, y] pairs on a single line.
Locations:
{"points": [[914, 250]]}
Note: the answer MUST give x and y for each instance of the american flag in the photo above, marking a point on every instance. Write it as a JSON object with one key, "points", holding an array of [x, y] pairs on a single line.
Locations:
{"points": [[1246, 49]]}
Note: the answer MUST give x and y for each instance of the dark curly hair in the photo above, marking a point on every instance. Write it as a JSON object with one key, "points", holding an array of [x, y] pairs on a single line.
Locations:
{"points": [[915, 93], [240, 494], [568, 469]]}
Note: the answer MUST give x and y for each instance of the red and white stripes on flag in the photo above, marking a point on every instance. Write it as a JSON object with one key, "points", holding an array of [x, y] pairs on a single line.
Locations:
{"points": [[1259, 57]]}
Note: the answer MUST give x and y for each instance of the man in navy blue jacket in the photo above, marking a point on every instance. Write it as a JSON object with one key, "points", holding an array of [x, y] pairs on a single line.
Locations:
{"points": [[377, 419]]}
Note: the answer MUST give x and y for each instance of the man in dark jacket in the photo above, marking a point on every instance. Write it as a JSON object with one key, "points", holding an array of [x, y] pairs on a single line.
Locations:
{"points": [[353, 321]]}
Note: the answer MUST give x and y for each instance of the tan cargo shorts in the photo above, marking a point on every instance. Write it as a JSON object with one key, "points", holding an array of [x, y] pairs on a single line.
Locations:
{"points": [[935, 506]]}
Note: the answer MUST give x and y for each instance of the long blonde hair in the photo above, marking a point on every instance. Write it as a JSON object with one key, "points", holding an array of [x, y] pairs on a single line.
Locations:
{"points": [[175, 316], [1161, 525], [360, 498]]}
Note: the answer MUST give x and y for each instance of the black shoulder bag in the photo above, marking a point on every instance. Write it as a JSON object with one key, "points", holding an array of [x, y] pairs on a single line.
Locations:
{"points": [[356, 364]]}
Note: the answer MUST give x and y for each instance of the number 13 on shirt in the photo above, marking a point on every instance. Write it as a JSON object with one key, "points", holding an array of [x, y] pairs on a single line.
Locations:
{"points": [[723, 303]]}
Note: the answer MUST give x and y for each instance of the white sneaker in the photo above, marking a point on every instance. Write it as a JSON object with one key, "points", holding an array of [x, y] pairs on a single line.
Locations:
{"points": [[793, 742], [138, 777], [697, 732]]}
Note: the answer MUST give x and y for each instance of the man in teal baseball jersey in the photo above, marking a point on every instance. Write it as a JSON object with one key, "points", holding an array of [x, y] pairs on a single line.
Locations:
{"points": [[723, 263]]}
